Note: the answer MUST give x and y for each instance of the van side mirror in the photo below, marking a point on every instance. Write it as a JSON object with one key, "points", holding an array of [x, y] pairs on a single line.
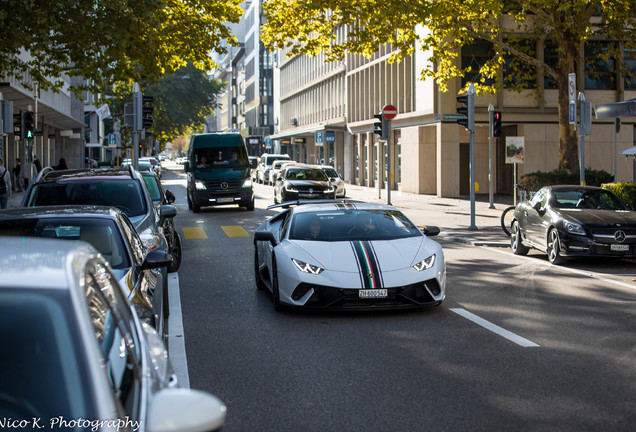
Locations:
{"points": [[186, 166]]}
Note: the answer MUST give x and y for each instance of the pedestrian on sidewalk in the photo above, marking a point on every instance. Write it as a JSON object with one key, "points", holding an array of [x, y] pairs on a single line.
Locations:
{"points": [[5, 185], [16, 175]]}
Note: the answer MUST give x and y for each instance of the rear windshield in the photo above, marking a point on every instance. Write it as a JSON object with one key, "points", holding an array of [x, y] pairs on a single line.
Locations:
{"points": [[221, 157], [102, 234], [126, 195], [44, 370]]}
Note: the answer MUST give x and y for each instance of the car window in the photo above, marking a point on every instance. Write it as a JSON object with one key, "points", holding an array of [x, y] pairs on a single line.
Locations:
{"points": [[115, 332], [42, 364], [101, 233], [221, 157], [330, 172], [135, 243], [306, 174], [125, 194], [360, 224], [540, 197], [154, 188]]}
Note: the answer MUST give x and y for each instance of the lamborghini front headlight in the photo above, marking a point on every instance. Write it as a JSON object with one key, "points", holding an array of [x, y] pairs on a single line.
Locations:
{"points": [[307, 268], [425, 264]]}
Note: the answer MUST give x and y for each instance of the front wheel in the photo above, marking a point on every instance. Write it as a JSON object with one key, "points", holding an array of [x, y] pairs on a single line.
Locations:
{"points": [[175, 251], [506, 219], [554, 248], [257, 274], [518, 248], [275, 289]]}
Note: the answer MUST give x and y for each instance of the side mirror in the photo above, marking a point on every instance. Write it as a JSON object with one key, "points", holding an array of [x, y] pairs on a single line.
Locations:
{"points": [[166, 211], [170, 197], [179, 409], [156, 259], [265, 236], [186, 166], [538, 207], [430, 231]]}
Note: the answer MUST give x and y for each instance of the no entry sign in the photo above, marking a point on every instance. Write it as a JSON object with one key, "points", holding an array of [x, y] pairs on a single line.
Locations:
{"points": [[389, 112]]}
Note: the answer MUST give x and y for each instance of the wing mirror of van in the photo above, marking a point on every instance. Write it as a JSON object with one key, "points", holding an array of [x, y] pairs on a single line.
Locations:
{"points": [[186, 166]]}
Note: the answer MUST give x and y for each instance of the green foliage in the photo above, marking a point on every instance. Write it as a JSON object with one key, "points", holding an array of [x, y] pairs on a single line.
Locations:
{"points": [[536, 180], [309, 27], [110, 41], [625, 191], [182, 102]]}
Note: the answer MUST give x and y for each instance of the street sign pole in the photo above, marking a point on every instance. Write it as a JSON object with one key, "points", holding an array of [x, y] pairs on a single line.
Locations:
{"points": [[388, 113], [471, 130], [491, 138], [581, 139]]}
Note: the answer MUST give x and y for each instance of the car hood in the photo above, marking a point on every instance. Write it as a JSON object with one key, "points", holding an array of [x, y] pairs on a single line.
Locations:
{"points": [[308, 183], [390, 254], [600, 217]]}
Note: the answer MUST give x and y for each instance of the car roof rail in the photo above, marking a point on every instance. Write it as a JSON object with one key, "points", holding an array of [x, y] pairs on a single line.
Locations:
{"points": [[42, 173]]}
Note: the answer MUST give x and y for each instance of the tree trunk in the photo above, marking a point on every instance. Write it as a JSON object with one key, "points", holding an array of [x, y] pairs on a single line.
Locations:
{"points": [[568, 149]]}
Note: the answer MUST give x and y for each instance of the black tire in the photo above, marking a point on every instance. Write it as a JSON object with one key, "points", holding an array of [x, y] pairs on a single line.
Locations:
{"points": [[275, 290], [250, 206], [518, 248], [506, 219], [176, 254], [257, 275], [189, 201], [554, 248]]}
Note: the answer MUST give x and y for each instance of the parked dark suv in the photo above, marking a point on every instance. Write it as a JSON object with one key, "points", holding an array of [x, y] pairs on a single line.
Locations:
{"points": [[124, 189]]}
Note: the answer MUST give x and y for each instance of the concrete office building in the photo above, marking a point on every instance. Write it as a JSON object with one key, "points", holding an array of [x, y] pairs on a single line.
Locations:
{"points": [[58, 119], [429, 150]]}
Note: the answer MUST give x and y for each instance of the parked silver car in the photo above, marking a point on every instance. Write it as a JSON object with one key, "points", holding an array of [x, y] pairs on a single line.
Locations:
{"points": [[79, 353]]}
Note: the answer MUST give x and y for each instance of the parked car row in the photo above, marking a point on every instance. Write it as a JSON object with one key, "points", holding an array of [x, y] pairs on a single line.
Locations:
{"points": [[83, 299], [78, 350]]}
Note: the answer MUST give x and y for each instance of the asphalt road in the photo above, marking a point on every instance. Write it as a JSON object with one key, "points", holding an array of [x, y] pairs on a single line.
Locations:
{"points": [[518, 345]]}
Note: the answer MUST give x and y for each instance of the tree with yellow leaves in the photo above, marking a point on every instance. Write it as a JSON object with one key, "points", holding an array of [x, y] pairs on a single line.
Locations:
{"points": [[513, 29]]}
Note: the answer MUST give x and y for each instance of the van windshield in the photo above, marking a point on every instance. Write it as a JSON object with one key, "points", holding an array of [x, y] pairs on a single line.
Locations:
{"points": [[220, 157]]}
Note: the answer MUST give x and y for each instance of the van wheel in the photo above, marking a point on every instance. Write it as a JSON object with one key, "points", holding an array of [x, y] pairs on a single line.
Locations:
{"points": [[189, 201]]}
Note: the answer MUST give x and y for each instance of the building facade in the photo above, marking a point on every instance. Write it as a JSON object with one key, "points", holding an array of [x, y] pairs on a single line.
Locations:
{"points": [[58, 120], [429, 151]]}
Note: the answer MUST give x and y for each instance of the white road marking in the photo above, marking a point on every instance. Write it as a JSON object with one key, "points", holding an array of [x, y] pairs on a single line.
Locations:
{"points": [[571, 270], [176, 338], [494, 328]]}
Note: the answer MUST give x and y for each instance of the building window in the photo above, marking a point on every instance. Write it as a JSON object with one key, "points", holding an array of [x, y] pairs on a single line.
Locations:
{"points": [[599, 66], [630, 59], [474, 56], [551, 58], [518, 74]]}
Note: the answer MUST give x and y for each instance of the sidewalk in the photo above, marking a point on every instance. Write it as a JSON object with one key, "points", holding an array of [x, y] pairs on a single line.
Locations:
{"points": [[15, 199], [452, 216]]}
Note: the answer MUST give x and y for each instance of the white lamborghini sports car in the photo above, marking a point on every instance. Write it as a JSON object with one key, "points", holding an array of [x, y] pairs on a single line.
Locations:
{"points": [[348, 255]]}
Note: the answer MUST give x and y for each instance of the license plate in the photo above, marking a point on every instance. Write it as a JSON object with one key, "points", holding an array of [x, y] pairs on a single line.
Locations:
{"points": [[619, 248], [307, 195], [372, 293], [225, 200]]}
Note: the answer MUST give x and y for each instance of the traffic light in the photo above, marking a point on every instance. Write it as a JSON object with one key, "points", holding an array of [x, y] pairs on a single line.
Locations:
{"points": [[147, 109], [468, 111], [496, 123], [27, 127], [17, 124], [377, 125]]}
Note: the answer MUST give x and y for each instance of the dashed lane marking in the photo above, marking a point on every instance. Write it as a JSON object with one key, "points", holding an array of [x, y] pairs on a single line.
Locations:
{"points": [[495, 328], [235, 231], [194, 233]]}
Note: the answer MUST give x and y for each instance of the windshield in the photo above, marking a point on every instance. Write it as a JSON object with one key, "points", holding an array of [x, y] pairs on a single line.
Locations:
{"points": [[330, 172], [586, 199], [348, 225], [125, 194], [306, 174], [102, 234], [43, 366], [221, 157]]}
